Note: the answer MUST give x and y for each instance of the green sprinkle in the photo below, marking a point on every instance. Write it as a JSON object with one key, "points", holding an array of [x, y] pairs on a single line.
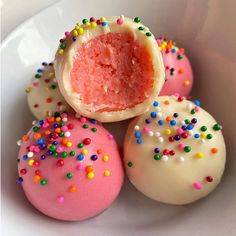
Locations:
{"points": [[130, 164], [148, 34], [72, 153], [53, 147], [187, 121], [64, 154], [179, 57], [137, 19], [43, 182], [85, 126], [69, 175], [157, 157], [55, 154], [187, 149], [217, 127], [209, 136], [18, 160], [94, 129], [141, 28], [56, 114], [62, 124], [80, 145], [203, 128], [62, 46], [37, 76], [35, 128], [193, 111], [85, 21], [61, 134], [53, 86]]}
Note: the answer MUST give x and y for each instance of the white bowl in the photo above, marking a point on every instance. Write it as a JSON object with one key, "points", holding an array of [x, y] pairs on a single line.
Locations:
{"points": [[207, 30]]}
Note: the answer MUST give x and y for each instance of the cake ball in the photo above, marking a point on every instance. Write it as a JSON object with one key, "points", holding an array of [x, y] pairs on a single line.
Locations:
{"points": [[175, 153], [109, 69], [43, 95], [70, 168], [178, 70]]}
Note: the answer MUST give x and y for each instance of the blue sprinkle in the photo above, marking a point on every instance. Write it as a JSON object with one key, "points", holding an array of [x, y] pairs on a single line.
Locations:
{"points": [[155, 104], [197, 102], [40, 70], [41, 122], [196, 135], [93, 121], [189, 127], [161, 122], [173, 50], [153, 114], [104, 23], [40, 141], [137, 134], [173, 122], [139, 141], [80, 157], [25, 157]]}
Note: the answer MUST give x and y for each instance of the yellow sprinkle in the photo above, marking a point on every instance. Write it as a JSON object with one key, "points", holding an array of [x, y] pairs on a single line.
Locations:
{"points": [[36, 178], [28, 90], [58, 119], [87, 24], [50, 74], [107, 173], [60, 51], [75, 33], [90, 175], [168, 131], [103, 19], [80, 31], [105, 158], [30, 162], [186, 83], [69, 144], [200, 155], [165, 43], [93, 24], [84, 151], [78, 24], [203, 135]]}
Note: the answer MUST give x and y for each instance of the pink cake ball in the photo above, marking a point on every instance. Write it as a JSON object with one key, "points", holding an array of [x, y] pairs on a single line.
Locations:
{"points": [[178, 71], [70, 168], [109, 69]]}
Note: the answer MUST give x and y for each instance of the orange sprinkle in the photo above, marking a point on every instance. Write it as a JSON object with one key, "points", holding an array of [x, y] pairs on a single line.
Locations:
{"points": [[181, 71], [214, 150], [36, 178], [51, 119], [49, 145], [25, 137], [58, 130], [99, 151], [166, 102], [49, 100], [37, 136], [51, 139], [89, 169], [72, 188], [64, 141], [168, 118], [47, 132]]}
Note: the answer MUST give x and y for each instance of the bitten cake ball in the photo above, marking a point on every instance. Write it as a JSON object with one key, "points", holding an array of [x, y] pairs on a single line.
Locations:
{"points": [[44, 97], [175, 153], [109, 69], [70, 168], [178, 70]]}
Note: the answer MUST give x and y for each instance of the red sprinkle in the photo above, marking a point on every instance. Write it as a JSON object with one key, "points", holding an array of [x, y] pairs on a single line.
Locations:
{"points": [[87, 141], [99, 22], [180, 99], [23, 171], [37, 172], [70, 126], [166, 152], [49, 100], [172, 152], [184, 135], [60, 162], [209, 179], [171, 139]]}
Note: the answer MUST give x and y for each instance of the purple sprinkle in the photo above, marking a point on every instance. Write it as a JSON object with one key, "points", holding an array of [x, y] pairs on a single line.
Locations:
{"points": [[19, 180], [157, 150], [148, 121], [43, 157]]}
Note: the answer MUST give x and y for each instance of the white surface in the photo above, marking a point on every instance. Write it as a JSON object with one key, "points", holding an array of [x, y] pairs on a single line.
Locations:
{"points": [[207, 30]]}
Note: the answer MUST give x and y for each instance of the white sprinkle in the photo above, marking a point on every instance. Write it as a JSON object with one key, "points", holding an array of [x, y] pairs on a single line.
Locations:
{"points": [[164, 158], [203, 141], [19, 142], [189, 106], [136, 128], [159, 114], [34, 122], [30, 154], [190, 132], [49, 113], [150, 133], [158, 108], [67, 134], [157, 134], [161, 140], [181, 159], [65, 119], [77, 115], [182, 122]]}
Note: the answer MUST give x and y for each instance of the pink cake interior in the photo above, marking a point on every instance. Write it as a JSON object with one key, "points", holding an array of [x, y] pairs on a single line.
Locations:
{"points": [[112, 70]]}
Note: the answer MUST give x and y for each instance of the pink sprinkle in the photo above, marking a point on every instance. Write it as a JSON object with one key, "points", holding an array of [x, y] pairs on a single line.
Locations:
{"points": [[37, 149], [79, 166], [67, 33], [60, 199], [82, 119], [197, 185], [35, 84], [31, 148], [120, 21], [196, 109], [110, 136], [146, 129], [181, 146], [45, 125], [59, 149], [176, 94], [64, 128], [63, 115], [180, 131]]}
